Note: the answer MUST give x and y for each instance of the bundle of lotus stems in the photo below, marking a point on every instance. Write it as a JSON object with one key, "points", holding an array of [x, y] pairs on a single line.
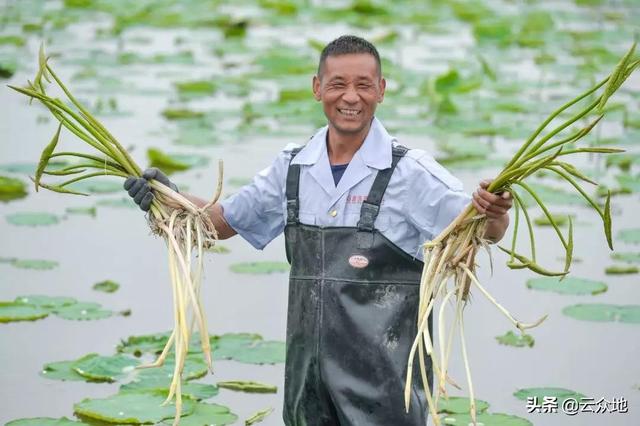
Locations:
{"points": [[449, 259], [186, 229]]}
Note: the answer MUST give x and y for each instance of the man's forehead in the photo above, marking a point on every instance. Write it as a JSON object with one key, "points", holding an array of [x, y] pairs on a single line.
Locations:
{"points": [[351, 65]]}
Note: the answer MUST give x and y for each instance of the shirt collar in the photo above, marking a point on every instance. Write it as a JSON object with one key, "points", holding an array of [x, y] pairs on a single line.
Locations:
{"points": [[375, 151]]}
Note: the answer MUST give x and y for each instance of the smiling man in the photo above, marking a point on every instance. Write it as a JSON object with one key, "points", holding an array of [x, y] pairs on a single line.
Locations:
{"points": [[355, 207]]}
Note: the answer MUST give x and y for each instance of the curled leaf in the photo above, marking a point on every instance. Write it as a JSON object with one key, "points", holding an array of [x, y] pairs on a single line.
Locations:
{"points": [[45, 156], [573, 171], [58, 189], [569, 250], [617, 77], [528, 263], [607, 220]]}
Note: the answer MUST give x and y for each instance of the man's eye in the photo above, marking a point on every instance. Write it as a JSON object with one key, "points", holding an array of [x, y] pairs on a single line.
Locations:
{"points": [[338, 85], [364, 86]]}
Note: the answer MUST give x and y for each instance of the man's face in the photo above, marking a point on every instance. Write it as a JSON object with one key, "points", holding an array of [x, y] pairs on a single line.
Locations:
{"points": [[350, 89]]}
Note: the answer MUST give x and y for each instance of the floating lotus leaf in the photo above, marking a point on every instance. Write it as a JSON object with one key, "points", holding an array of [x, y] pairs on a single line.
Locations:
{"points": [[207, 414], [559, 219], [15, 311], [104, 368], [51, 302], [61, 370], [7, 68], [604, 313], [196, 88], [486, 419], [248, 348], [97, 186], [131, 408], [161, 383], [620, 270], [259, 267], [106, 286], [12, 189], [258, 416], [89, 211], [459, 405], [195, 133], [152, 343], [32, 219], [45, 421], [160, 377], [248, 386], [517, 340], [219, 249], [631, 183], [83, 311], [34, 264], [181, 114], [626, 257], [569, 285], [260, 352], [560, 393], [149, 343]]}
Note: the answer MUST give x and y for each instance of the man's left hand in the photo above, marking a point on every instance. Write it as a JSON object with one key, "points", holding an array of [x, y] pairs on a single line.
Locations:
{"points": [[494, 206]]}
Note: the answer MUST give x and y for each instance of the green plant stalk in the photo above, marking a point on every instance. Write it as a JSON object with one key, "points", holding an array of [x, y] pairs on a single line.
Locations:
{"points": [[532, 240], [553, 115], [572, 138], [127, 158], [545, 211]]}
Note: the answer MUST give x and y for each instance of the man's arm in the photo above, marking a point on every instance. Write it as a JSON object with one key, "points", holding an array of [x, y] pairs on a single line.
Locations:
{"points": [[495, 207], [216, 214]]}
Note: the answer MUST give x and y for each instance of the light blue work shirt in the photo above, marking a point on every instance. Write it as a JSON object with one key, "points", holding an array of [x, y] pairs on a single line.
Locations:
{"points": [[422, 197]]}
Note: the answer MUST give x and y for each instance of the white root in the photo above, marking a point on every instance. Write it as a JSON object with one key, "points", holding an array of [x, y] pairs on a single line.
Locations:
{"points": [[449, 258]]}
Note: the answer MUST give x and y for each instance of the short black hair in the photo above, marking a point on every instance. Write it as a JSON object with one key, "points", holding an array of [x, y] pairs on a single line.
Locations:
{"points": [[349, 44]]}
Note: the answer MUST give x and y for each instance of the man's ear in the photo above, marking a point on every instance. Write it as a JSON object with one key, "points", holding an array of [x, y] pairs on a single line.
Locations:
{"points": [[383, 85], [316, 87]]}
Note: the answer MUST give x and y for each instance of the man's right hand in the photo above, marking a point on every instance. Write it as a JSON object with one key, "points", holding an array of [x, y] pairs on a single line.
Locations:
{"points": [[140, 190]]}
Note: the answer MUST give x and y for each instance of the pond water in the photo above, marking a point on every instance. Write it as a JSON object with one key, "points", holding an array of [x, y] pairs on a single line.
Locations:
{"points": [[129, 79]]}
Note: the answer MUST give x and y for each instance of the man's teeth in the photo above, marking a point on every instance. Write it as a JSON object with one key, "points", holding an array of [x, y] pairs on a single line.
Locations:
{"points": [[349, 111]]}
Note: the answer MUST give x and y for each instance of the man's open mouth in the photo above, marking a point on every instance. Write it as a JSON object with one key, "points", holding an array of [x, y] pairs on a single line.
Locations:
{"points": [[349, 112]]}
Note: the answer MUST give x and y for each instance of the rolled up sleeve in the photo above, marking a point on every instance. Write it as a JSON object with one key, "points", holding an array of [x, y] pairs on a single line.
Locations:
{"points": [[256, 211], [434, 199]]}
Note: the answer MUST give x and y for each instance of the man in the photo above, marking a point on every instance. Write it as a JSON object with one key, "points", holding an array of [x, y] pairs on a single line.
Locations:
{"points": [[355, 208]]}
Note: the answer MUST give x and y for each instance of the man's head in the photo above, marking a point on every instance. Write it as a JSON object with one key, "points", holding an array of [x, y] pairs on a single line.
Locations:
{"points": [[349, 84]]}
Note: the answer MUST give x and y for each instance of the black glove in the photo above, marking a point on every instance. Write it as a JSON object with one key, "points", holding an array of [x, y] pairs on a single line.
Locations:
{"points": [[140, 190]]}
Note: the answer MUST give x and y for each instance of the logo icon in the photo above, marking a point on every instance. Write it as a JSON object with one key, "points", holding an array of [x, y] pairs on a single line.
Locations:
{"points": [[358, 261]]}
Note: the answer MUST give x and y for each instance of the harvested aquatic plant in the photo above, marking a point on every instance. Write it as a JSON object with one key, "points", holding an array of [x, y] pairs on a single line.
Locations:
{"points": [[185, 228], [449, 259]]}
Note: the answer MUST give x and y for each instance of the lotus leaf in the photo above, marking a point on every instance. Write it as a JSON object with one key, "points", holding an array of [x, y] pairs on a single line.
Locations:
{"points": [[459, 405], [45, 421], [568, 285], [517, 340], [104, 368], [32, 219], [106, 286], [14, 311], [83, 311], [207, 414], [130, 408]]}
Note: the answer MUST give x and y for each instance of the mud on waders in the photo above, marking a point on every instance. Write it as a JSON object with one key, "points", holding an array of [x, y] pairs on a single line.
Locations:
{"points": [[351, 320]]}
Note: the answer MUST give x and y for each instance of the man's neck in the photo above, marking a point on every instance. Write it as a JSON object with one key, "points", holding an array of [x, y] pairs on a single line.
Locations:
{"points": [[342, 147]]}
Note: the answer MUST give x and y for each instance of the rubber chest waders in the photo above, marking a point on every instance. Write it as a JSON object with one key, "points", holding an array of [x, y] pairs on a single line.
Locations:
{"points": [[353, 302]]}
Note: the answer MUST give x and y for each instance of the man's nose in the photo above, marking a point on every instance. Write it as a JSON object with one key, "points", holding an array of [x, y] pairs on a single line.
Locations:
{"points": [[350, 95]]}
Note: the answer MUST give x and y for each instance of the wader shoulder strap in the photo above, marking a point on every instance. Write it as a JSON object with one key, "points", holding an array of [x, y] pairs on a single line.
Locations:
{"points": [[371, 206], [292, 189]]}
